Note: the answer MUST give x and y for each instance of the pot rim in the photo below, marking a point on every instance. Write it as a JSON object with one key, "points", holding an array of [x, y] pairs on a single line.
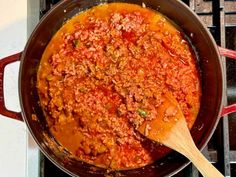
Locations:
{"points": [[205, 140]]}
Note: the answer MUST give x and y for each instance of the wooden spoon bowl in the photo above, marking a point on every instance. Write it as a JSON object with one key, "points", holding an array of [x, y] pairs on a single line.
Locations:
{"points": [[170, 129]]}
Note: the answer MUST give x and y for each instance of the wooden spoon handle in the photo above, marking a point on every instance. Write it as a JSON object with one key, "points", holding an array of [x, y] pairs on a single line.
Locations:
{"points": [[202, 164], [181, 140]]}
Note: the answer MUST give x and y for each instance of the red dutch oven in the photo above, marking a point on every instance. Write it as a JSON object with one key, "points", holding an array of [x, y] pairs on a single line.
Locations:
{"points": [[209, 59]]}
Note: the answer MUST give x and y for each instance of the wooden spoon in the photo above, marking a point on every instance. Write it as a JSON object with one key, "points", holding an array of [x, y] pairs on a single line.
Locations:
{"points": [[170, 129]]}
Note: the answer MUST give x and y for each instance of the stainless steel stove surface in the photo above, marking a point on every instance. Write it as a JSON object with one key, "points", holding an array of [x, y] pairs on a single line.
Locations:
{"points": [[220, 17]]}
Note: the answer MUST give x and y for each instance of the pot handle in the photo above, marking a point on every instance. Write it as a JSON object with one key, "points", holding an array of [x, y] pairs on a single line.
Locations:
{"points": [[3, 110], [230, 54], [227, 52], [228, 109]]}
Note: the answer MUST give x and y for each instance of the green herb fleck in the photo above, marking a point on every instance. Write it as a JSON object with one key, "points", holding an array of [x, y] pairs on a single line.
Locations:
{"points": [[108, 106], [83, 90], [75, 43], [49, 77], [142, 113]]}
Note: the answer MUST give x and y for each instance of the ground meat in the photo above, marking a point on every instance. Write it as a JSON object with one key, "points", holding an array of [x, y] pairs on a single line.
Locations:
{"points": [[102, 75]]}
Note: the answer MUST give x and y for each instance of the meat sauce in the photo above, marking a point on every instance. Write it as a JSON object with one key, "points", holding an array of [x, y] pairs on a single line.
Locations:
{"points": [[104, 71]]}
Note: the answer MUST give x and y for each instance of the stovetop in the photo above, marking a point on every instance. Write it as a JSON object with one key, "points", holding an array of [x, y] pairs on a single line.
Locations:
{"points": [[220, 18]]}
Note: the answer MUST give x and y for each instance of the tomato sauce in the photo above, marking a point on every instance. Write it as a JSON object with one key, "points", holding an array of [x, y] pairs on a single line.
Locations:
{"points": [[104, 71]]}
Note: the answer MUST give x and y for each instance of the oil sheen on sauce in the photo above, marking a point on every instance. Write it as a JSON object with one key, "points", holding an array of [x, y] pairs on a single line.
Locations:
{"points": [[104, 72]]}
